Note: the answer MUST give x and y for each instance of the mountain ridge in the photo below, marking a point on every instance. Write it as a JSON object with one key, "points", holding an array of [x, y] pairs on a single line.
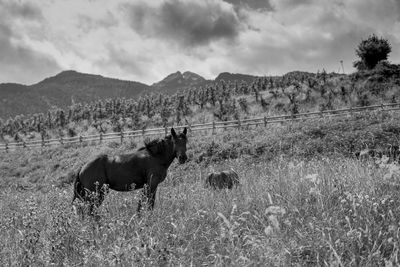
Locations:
{"points": [[179, 81], [61, 90], [69, 87]]}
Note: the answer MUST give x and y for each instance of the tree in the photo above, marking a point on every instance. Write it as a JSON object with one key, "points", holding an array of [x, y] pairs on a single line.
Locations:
{"points": [[371, 51]]}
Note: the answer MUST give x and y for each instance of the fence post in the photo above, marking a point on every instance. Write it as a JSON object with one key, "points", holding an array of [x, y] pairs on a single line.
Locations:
{"points": [[239, 124], [7, 147], [166, 130], [43, 141], [122, 136], [61, 141], [265, 121], [80, 139], [213, 129], [101, 138], [23, 144]]}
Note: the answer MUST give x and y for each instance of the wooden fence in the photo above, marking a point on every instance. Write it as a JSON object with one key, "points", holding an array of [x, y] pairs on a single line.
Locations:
{"points": [[213, 126]]}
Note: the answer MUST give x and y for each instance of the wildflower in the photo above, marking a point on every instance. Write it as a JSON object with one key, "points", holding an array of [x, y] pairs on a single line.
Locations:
{"points": [[313, 178], [354, 234], [314, 191], [392, 228], [268, 230], [274, 222], [275, 210]]}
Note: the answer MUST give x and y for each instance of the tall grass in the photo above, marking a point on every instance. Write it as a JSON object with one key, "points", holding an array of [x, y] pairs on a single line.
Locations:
{"points": [[286, 212]]}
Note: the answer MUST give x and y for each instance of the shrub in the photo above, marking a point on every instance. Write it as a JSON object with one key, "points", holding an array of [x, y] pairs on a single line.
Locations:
{"points": [[371, 51]]}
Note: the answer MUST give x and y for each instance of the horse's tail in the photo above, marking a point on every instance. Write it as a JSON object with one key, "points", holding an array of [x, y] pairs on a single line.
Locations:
{"points": [[77, 188]]}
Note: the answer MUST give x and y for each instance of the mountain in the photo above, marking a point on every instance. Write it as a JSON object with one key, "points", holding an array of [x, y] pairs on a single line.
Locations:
{"points": [[80, 87], [179, 81], [62, 90], [70, 87], [232, 77]]}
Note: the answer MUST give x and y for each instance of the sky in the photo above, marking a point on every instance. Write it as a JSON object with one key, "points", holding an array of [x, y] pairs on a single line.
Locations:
{"points": [[145, 41]]}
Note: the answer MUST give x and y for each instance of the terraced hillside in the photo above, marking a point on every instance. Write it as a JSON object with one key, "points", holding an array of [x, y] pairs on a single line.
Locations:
{"points": [[219, 101]]}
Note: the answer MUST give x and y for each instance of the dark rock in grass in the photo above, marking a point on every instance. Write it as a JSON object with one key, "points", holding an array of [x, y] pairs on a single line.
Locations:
{"points": [[222, 180]]}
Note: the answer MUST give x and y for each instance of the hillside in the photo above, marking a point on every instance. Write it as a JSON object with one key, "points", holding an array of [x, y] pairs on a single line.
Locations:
{"points": [[220, 100], [18, 99], [63, 90], [69, 87]]}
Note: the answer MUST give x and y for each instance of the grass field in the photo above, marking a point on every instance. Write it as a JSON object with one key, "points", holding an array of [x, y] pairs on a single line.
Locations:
{"points": [[293, 207]]}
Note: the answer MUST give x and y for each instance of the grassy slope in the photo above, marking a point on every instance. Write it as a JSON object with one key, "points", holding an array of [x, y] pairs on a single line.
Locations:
{"points": [[329, 208], [326, 211]]}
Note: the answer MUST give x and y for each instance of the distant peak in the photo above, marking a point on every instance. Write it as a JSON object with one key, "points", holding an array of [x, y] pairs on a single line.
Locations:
{"points": [[191, 75], [172, 76], [180, 80], [67, 73]]}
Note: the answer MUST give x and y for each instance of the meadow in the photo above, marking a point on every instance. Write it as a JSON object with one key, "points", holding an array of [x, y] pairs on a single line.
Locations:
{"points": [[304, 200]]}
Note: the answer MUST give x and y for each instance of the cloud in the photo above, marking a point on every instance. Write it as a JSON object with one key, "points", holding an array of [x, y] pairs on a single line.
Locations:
{"points": [[20, 63], [120, 58], [146, 40], [88, 24], [285, 4], [251, 4], [24, 10], [190, 23], [288, 40]]}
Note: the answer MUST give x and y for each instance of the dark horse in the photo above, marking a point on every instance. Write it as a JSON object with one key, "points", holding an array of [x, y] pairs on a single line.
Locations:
{"points": [[145, 168]]}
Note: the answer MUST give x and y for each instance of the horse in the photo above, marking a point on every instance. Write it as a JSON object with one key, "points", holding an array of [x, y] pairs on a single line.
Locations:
{"points": [[146, 168], [221, 180]]}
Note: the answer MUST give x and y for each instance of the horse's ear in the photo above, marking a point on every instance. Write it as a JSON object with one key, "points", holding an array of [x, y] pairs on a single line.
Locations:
{"points": [[173, 133], [185, 131]]}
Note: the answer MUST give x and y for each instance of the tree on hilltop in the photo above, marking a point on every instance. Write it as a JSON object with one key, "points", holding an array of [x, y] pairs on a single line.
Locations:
{"points": [[371, 51]]}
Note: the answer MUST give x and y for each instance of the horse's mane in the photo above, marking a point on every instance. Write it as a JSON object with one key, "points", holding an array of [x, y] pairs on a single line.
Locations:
{"points": [[157, 146]]}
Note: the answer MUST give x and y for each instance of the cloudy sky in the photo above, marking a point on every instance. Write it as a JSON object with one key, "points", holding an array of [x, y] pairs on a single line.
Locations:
{"points": [[146, 40]]}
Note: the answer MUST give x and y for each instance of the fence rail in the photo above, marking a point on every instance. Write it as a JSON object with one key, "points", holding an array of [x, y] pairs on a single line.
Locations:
{"points": [[197, 127]]}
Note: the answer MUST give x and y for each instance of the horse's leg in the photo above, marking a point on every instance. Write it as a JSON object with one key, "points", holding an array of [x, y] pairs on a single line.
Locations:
{"points": [[95, 202], [152, 197], [148, 196], [97, 198], [142, 199]]}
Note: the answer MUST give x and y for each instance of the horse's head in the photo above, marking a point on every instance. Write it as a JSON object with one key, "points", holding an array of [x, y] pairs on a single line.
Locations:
{"points": [[179, 141]]}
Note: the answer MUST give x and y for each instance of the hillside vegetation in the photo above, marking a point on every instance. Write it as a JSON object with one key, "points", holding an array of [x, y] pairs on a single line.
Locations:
{"points": [[292, 93]]}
